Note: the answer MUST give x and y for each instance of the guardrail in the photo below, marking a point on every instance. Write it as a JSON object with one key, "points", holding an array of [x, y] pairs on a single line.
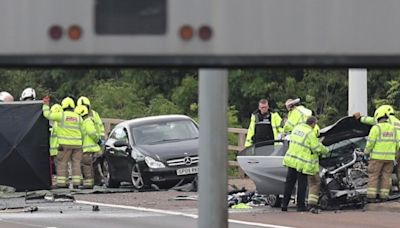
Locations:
{"points": [[109, 124]]}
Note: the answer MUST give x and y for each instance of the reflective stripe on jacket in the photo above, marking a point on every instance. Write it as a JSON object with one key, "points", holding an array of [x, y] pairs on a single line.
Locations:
{"points": [[276, 122], [90, 136], [304, 150], [69, 126], [383, 142]]}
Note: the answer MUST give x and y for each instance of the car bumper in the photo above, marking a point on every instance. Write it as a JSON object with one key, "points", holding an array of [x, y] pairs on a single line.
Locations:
{"points": [[169, 174]]}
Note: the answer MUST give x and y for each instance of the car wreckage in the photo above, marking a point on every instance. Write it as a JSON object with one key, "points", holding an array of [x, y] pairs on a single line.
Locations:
{"points": [[344, 172]]}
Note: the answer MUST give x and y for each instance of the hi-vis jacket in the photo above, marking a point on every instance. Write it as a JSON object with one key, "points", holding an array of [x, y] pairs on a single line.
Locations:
{"points": [[276, 122], [383, 142], [90, 136], [53, 140], [304, 150], [392, 119], [98, 123], [298, 115], [69, 126]]}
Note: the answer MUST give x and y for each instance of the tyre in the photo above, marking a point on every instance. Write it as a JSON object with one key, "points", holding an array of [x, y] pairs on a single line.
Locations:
{"points": [[137, 178], [274, 200], [107, 178]]}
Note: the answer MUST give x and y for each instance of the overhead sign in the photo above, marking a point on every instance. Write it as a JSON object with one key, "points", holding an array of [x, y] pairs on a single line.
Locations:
{"points": [[200, 33]]}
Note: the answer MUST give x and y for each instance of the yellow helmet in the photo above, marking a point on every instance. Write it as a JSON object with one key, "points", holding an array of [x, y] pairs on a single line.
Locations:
{"points": [[380, 112], [67, 103], [82, 110], [388, 108], [56, 108], [83, 101]]}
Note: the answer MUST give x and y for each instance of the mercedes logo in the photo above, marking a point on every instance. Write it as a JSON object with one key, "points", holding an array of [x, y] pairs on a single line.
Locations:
{"points": [[187, 160]]}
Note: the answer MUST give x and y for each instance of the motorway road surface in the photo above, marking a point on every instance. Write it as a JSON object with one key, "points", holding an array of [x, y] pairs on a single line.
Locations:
{"points": [[67, 215], [159, 209]]}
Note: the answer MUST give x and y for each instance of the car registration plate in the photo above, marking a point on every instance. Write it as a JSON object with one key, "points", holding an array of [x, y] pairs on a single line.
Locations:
{"points": [[186, 171]]}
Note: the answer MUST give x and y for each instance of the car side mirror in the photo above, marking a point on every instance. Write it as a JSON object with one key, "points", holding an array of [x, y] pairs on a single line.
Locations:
{"points": [[120, 144]]}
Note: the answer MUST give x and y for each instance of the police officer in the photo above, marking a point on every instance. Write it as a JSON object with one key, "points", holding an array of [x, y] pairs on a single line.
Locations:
{"points": [[90, 145], [302, 160], [382, 146], [297, 114], [264, 125], [69, 136]]}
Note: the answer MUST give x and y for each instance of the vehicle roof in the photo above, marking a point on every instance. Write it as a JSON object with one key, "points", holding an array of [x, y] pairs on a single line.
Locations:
{"points": [[152, 120]]}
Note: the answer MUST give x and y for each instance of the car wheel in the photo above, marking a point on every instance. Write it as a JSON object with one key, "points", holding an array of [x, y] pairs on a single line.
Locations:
{"points": [[136, 177], [273, 200], [108, 180]]}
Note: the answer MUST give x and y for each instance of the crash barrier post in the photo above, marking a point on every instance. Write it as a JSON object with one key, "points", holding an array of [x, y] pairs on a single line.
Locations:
{"points": [[109, 123]]}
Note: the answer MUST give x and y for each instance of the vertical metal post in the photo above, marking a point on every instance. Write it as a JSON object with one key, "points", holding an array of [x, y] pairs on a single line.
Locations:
{"points": [[358, 91], [213, 99]]}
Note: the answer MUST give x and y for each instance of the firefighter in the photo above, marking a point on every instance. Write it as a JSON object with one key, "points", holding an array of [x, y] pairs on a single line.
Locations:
{"points": [[382, 146], [95, 115], [90, 145], [53, 140], [393, 120], [69, 136], [28, 94], [264, 124], [297, 114], [302, 161], [97, 159]]}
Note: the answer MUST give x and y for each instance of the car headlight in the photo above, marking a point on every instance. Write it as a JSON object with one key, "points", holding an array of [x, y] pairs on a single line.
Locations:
{"points": [[153, 163]]}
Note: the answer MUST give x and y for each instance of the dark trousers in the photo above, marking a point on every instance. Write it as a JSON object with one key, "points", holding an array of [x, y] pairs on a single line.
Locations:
{"points": [[291, 178]]}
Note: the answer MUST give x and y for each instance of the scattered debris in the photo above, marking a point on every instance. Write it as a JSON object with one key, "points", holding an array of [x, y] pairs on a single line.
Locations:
{"points": [[95, 208], [182, 197], [30, 209], [241, 206]]}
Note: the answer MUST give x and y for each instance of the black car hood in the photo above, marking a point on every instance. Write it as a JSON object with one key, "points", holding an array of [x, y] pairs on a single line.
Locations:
{"points": [[345, 128], [170, 150]]}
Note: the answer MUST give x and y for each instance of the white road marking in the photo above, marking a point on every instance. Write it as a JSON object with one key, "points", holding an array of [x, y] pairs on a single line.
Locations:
{"points": [[176, 213]]}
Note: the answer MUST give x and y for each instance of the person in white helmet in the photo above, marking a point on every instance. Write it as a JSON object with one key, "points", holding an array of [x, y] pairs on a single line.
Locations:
{"points": [[6, 97], [28, 94]]}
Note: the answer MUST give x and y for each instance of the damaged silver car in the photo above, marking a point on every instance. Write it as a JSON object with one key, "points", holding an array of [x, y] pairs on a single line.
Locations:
{"points": [[344, 175]]}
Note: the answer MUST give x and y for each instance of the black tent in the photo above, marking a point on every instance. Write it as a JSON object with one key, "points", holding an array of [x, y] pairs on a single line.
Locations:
{"points": [[24, 146]]}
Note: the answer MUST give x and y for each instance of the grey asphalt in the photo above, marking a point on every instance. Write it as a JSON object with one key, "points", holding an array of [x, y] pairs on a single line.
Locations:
{"points": [[70, 214]]}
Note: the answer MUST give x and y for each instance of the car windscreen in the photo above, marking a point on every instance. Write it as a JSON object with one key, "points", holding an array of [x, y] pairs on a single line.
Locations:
{"points": [[165, 132], [346, 147]]}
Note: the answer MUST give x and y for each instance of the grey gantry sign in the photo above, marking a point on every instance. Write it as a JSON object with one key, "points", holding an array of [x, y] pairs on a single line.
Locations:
{"points": [[207, 33]]}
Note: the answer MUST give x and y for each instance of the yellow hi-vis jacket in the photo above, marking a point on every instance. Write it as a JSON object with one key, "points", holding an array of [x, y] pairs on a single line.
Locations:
{"points": [[383, 142], [69, 128], [53, 140], [276, 121], [304, 150], [90, 136], [371, 121], [98, 123], [298, 115]]}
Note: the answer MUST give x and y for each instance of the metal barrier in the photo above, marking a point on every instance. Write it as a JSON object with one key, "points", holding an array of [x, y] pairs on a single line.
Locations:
{"points": [[110, 123]]}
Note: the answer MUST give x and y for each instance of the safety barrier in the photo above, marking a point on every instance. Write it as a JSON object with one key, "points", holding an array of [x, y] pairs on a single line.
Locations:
{"points": [[109, 124]]}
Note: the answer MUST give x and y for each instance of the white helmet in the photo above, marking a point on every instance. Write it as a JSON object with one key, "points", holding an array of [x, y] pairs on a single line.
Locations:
{"points": [[28, 94], [6, 97]]}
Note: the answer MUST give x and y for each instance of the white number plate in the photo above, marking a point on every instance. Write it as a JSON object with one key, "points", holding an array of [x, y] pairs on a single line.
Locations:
{"points": [[186, 171]]}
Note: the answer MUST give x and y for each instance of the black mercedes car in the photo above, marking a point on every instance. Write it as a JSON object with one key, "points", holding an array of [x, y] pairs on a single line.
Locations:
{"points": [[157, 150]]}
